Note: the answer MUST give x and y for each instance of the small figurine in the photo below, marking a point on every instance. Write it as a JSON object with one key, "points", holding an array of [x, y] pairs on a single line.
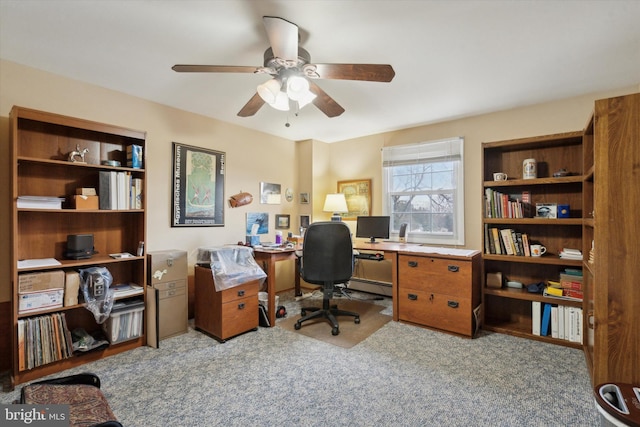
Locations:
{"points": [[78, 155]]}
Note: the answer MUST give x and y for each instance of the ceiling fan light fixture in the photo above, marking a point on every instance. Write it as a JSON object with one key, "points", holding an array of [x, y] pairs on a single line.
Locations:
{"points": [[297, 87], [270, 90], [306, 99], [281, 102]]}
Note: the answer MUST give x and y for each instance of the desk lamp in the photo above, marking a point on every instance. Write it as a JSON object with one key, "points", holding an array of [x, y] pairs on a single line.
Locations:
{"points": [[337, 204]]}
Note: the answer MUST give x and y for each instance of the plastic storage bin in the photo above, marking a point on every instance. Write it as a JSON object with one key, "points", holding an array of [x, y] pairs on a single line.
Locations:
{"points": [[125, 323]]}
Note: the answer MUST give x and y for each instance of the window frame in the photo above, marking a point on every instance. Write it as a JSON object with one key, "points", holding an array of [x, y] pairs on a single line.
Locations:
{"points": [[437, 151]]}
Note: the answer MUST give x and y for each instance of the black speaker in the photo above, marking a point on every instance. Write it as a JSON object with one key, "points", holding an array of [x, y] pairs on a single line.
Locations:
{"points": [[79, 246], [403, 232]]}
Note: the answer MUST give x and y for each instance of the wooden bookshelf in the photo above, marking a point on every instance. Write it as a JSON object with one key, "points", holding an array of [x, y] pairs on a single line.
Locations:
{"points": [[40, 144]]}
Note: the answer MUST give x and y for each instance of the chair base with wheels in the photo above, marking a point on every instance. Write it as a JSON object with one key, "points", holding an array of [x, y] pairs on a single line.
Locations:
{"points": [[328, 312]]}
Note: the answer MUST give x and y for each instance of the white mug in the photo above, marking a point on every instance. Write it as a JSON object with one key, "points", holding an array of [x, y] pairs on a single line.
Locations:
{"points": [[529, 169], [500, 176], [538, 250]]}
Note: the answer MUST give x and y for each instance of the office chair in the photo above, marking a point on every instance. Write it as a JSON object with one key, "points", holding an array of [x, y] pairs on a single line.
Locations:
{"points": [[327, 259]]}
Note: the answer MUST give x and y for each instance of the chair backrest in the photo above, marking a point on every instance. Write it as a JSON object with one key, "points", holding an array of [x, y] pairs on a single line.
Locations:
{"points": [[327, 253]]}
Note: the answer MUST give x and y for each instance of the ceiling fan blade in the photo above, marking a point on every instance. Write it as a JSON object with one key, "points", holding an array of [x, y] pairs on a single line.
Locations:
{"points": [[251, 107], [324, 102], [367, 72], [283, 37], [182, 68]]}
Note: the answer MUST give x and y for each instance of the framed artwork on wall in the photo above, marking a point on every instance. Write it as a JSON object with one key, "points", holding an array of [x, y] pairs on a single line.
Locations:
{"points": [[304, 221], [283, 222], [198, 187], [270, 194], [358, 195], [304, 198]]}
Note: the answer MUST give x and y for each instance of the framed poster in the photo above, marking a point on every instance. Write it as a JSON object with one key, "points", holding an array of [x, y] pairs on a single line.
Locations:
{"points": [[283, 222], [304, 198], [198, 187], [304, 221], [358, 195]]}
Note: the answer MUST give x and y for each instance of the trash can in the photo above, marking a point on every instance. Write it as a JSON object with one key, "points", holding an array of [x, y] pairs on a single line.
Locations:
{"points": [[618, 404]]}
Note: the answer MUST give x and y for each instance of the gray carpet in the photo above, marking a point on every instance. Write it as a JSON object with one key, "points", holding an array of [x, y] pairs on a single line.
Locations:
{"points": [[401, 375]]}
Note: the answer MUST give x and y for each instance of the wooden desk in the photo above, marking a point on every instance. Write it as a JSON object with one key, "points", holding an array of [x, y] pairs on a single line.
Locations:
{"points": [[266, 259]]}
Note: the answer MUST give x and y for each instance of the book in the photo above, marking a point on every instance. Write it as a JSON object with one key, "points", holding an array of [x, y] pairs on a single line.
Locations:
{"points": [[107, 190], [525, 244], [545, 325], [536, 317], [554, 321], [496, 241], [506, 240]]}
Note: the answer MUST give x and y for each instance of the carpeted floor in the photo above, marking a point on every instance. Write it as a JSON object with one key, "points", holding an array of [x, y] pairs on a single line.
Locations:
{"points": [[401, 375]]}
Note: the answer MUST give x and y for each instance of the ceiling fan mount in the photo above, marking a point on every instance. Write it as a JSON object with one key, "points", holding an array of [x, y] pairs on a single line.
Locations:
{"points": [[291, 68]]}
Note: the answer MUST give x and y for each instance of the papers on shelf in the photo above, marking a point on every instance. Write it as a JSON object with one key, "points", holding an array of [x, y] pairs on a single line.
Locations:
{"points": [[126, 289], [568, 253], [38, 202], [35, 263]]}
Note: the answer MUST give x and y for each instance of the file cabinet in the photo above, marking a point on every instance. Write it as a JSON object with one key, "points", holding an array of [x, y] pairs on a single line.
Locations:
{"points": [[167, 296], [439, 292], [227, 313]]}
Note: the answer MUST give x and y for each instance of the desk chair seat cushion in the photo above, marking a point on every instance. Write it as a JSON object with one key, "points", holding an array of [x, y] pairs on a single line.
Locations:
{"points": [[87, 404]]}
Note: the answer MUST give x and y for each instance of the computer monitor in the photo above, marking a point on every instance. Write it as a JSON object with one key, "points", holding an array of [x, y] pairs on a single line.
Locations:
{"points": [[373, 227]]}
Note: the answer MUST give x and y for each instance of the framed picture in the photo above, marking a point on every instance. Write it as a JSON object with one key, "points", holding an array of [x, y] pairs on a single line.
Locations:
{"points": [[358, 195], [270, 193], [304, 198], [257, 223], [198, 187], [304, 221], [283, 222]]}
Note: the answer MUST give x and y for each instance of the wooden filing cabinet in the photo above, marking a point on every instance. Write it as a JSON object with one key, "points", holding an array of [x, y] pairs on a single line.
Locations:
{"points": [[439, 292], [227, 313]]}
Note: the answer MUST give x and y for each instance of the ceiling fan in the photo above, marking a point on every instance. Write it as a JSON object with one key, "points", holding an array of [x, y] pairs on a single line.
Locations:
{"points": [[291, 86]]}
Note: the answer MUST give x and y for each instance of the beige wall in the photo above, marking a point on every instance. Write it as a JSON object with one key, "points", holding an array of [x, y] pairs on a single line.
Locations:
{"points": [[251, 155], [554, 117]]}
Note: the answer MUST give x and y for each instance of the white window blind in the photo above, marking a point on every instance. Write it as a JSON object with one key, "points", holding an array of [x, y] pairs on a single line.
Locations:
{"points": [[424, 187]]}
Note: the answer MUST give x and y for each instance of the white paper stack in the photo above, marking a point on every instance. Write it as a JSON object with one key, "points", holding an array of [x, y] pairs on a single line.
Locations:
{"points": [[568, 253], [38, 202]]}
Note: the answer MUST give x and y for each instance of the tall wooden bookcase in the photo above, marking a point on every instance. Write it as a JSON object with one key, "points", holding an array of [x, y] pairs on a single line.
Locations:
{"points": [[41, 143], [509, 310], [612, 228]]}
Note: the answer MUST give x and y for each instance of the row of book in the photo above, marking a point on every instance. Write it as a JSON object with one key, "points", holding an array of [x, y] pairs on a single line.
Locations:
{"points": [[42, 340], [125, 321], [119, 190], [558, 321], [506, 241], [501, 205]]}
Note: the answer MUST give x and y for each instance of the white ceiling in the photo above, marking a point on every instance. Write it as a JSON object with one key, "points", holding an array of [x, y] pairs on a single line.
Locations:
{"points": [[452, 58]]}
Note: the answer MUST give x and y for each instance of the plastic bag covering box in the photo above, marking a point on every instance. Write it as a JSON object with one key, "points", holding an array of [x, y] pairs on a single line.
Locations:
{"points": [[230, 265]]}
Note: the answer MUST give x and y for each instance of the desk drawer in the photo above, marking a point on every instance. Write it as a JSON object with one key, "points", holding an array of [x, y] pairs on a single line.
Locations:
{"points": [[436, 310], [428, 274], [248, 289], [238, 316]]}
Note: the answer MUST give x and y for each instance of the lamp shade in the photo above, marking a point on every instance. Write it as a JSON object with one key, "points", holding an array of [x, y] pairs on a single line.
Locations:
{"points": [[337, 204], [269, 90], [297, 87]]}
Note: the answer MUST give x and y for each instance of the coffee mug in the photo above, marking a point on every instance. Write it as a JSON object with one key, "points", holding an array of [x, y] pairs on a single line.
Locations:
{"points": [[500, 176], [538, 250]]}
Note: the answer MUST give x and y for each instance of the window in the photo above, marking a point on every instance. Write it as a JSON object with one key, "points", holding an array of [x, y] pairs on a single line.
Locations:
{"points": [[424, 187]]}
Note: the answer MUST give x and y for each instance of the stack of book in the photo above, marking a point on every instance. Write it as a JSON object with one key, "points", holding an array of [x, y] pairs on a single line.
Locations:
{"points": [[568, 253], [569, 287], [119, 190], [39, 202]]}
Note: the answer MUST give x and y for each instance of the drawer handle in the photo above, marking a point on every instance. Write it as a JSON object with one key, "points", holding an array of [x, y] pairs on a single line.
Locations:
{"points": [[172, 285], [241, 306], [171, 293], [453, 268], [413, 297], [452, 304], [413, 263], [241, 293]]}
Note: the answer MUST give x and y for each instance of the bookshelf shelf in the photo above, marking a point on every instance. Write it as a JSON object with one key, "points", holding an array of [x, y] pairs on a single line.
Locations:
{"points": [[40, 145], [534, 221]]}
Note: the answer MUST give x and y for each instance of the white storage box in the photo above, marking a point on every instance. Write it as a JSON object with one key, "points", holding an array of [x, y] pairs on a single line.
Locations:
{"points": [[30, 302], [124, 324]]}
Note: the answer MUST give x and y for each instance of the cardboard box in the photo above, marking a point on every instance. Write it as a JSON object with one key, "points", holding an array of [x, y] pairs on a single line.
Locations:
{"points": [[71, 288], [37, 301], [85, 202], [35, 282]]}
